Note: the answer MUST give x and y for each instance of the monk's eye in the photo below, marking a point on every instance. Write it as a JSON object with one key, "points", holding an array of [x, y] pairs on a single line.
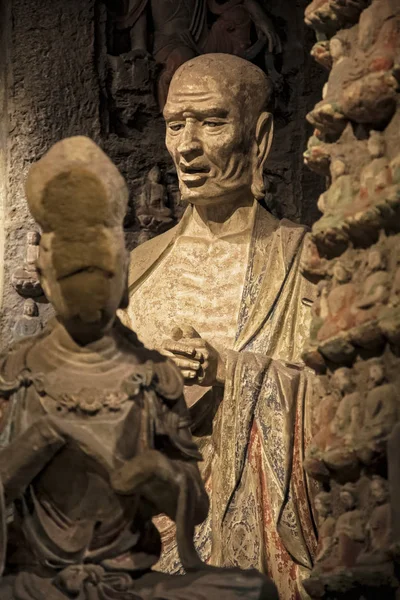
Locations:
{"points": [[176, 126], [212, 124]]}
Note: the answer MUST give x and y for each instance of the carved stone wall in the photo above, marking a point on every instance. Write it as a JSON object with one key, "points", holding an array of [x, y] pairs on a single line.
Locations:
{"points": [[4, 48], [52, 92], [354, 254], [65, 69]]}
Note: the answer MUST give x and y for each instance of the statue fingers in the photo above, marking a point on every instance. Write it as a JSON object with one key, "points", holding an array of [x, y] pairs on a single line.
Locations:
{"points": [[180, 348], [190, 377], [185, 364]]}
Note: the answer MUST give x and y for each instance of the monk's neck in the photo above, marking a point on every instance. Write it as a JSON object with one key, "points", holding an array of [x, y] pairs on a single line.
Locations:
{"points": [[226, 218]]}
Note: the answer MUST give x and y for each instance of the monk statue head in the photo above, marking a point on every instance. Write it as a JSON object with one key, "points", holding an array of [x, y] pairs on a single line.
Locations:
{"points": [[78, 197], [219, 131]]}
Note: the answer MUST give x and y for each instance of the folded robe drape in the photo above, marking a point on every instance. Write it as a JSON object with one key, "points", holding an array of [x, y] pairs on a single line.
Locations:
{"points": [[261, 499]]}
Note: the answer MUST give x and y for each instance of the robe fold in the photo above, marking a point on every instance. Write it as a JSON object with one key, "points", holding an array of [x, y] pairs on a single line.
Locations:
{"points": [[261, 499]]}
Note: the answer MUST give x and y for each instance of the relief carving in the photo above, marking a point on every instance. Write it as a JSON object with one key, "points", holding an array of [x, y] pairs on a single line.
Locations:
{"points": [[25, 279], [180, 31], [354, 253]]}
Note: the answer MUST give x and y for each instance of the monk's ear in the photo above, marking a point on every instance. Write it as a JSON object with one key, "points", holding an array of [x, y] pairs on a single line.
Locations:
{"points": [[264, 135]]}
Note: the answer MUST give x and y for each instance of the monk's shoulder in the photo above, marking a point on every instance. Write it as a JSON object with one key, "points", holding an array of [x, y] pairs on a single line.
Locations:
{"points": [[145, 255]]}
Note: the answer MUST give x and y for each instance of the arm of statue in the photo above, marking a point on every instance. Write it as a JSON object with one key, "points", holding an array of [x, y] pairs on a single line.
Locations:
{"points": [[264, 24], [159, 474], [170, 481], [23, 459], [138, 35]]}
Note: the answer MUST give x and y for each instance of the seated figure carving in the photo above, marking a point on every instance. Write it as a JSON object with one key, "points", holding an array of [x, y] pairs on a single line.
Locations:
{"points": [[100, 439]]}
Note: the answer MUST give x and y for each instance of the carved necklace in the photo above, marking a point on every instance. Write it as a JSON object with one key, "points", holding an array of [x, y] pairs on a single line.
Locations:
{"points": [[93, 401]]}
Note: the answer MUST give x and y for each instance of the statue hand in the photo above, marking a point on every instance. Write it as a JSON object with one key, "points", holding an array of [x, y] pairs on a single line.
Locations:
{"points": [[264, 25], [150, 466], [153, 476], [273, 42], [137, 53], [199, 362]]}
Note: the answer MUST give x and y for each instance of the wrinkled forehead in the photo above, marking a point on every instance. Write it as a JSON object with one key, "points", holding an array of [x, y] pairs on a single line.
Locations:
{"points": [[203, 95]]}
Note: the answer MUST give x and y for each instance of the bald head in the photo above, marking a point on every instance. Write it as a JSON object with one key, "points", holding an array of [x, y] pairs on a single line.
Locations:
{"points": [[235, 78], [218, 128]]}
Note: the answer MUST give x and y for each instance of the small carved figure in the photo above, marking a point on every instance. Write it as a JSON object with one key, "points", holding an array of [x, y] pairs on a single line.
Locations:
{"points": [[326, 529], [153, 214], [371, 90], [100, 439], [29, 324], [181, 31], [317, 156], [325, 413], [349, 535], [25, 279], [322, 54], [340, 446], [378, 528], [341, 312], [381, 413]]}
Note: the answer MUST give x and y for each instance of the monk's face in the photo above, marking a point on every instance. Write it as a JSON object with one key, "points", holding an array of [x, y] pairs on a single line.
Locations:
{"points": [[208, 138]]}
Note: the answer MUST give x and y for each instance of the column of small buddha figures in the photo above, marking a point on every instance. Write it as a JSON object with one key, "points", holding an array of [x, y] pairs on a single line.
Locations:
{"points": [[25, 281], [354, 256]]}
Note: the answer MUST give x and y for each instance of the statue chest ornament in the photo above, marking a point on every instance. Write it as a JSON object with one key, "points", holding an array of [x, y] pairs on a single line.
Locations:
{"points": [[124, 418], [88, 400]]}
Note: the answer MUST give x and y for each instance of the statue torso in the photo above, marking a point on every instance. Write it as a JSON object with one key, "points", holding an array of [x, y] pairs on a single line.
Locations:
{"points": [[70, 512], [199, 283], [171, 15]]}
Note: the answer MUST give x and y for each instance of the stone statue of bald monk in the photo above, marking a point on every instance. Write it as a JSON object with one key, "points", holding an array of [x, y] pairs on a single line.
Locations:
{"points": [[223, 295], [93, 426]]}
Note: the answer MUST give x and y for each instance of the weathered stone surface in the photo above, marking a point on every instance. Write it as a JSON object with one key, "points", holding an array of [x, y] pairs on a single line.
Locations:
{"points": [[52, 92], [354, 252]]}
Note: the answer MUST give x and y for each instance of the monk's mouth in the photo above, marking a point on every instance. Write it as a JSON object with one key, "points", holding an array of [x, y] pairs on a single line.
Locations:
{"points": [[193, 174]]}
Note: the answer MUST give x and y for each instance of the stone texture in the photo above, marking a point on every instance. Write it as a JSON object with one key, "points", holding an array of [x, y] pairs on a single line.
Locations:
{"points": [[4, 55], [52, 93], [354, 253]]}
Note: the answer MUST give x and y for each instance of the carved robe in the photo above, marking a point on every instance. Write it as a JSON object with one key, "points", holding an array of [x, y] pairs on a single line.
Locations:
{"points": [[253, 442], [71, 535]]}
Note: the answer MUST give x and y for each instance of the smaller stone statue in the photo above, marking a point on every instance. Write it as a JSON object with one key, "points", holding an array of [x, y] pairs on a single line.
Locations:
{"points": [[25, 279], [349, 535], [29, 324], [180, 31], [381, 413], [340, 449], [350, 528], [326, 529], [378, 528], [153, 214], [100, 441], [325, 412]]}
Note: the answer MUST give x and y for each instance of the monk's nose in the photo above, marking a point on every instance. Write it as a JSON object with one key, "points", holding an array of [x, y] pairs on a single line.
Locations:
{"points": [[190, 146]]}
